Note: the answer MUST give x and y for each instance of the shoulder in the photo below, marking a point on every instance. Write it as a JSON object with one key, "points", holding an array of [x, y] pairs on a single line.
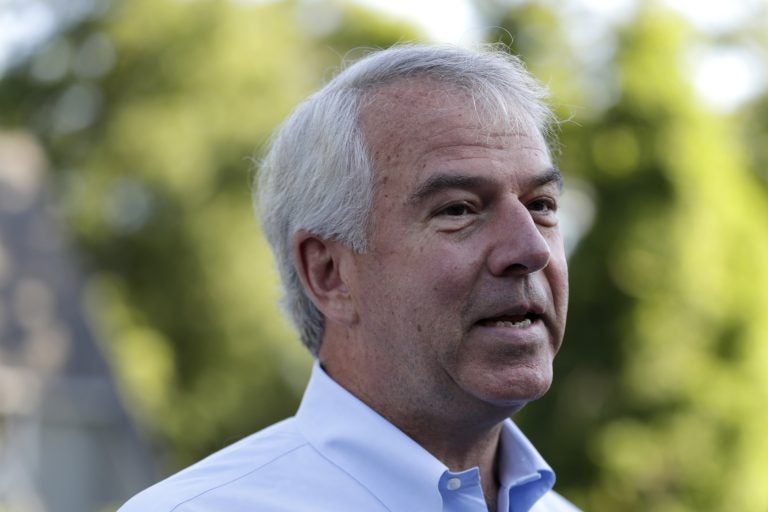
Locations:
{"points": [[258, 463]]}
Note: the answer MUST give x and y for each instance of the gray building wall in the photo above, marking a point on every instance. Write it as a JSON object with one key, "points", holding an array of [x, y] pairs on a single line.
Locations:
{"points": [[66, 442]]}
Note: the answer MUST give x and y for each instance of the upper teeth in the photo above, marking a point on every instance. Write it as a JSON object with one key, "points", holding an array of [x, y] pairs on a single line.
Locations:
{"points": [[506, 323]]}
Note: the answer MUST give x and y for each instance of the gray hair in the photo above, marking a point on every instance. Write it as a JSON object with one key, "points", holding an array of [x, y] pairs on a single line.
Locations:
{"points": [[318, 173]]}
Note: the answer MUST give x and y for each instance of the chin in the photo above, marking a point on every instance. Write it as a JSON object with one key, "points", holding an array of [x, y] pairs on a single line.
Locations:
{"points": [[517, 389]]}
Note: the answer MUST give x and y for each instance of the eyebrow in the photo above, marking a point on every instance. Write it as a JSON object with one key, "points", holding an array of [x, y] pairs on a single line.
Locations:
{"points": [[440, 182], [551, 175]]}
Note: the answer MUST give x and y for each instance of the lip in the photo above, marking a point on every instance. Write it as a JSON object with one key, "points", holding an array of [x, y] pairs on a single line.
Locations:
{"points": [[516, 313], [511, 340], [510, 322], [507, 325]]}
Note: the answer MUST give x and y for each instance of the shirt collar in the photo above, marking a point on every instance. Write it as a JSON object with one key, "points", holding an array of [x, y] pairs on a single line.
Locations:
{"points": [[523, 473], [391, 465]]}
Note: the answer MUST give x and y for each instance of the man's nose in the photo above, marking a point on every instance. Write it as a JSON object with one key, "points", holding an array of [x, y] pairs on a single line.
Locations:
{"points": [[519, 247]]}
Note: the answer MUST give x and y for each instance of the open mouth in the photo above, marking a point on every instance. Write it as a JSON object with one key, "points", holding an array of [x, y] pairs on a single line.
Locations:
{"points": [[511, 321]]}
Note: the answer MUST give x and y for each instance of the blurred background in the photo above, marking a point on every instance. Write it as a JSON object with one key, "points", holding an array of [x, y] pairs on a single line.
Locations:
{"points": [[139, 329]]}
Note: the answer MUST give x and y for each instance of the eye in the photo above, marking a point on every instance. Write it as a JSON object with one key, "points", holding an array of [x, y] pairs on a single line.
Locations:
{"points": [[457, 215], [544, 211], [543, 205], [457, 210]]}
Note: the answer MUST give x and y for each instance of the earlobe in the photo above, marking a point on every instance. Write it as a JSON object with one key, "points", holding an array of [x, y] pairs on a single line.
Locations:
{"points": [[320, 265]]}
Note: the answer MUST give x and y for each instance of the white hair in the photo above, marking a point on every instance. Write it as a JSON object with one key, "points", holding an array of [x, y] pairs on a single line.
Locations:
{"points": [[318, 173]]}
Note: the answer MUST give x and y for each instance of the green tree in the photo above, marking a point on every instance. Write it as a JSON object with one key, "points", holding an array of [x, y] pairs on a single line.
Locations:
{"points": [[150, 112], [659, 401]]}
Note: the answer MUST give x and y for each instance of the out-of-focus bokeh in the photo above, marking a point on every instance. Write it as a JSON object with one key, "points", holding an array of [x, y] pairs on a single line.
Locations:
{"points": [[139, 327]]}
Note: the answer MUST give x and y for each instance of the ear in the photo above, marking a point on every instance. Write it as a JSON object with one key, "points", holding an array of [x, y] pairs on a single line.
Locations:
{"points": [[322, 265]]}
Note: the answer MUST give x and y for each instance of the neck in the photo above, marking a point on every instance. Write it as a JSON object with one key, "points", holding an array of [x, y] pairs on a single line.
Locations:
{"points": [[464, 450], [460, 431], [459, 449]]}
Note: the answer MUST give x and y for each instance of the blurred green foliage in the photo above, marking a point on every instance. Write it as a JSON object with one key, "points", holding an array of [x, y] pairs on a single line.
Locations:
{"points": [[150, 111], [663, 380], [150, 114]]}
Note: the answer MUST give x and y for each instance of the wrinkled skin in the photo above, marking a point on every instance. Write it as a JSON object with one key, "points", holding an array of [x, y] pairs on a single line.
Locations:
{"points": [[461, 300]]}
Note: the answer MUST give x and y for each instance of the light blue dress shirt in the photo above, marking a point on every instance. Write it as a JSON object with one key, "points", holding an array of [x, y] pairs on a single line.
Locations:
{"points": [[338, 455]]}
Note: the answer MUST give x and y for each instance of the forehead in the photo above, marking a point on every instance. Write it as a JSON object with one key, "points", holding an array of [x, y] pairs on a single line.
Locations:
{"points": [[411, 124], [414, 112]]}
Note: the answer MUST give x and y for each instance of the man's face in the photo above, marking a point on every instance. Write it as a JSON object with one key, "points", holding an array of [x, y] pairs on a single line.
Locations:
{"points": [[462, 296]]}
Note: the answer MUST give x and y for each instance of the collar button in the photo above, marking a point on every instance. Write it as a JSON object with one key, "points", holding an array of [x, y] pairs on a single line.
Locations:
{"points": [[453, 483]]}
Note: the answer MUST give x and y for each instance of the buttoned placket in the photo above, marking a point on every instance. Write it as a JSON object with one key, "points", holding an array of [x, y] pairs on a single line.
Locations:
{"points": [[462, 491]]}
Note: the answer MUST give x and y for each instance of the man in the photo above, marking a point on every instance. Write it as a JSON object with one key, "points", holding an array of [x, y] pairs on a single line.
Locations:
{"points": [[412, 207]]}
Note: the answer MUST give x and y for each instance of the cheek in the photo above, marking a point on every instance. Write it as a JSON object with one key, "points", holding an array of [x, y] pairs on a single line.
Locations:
{"points": [[560, 277], [443, 274], [557, 270], [422, 275]]}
